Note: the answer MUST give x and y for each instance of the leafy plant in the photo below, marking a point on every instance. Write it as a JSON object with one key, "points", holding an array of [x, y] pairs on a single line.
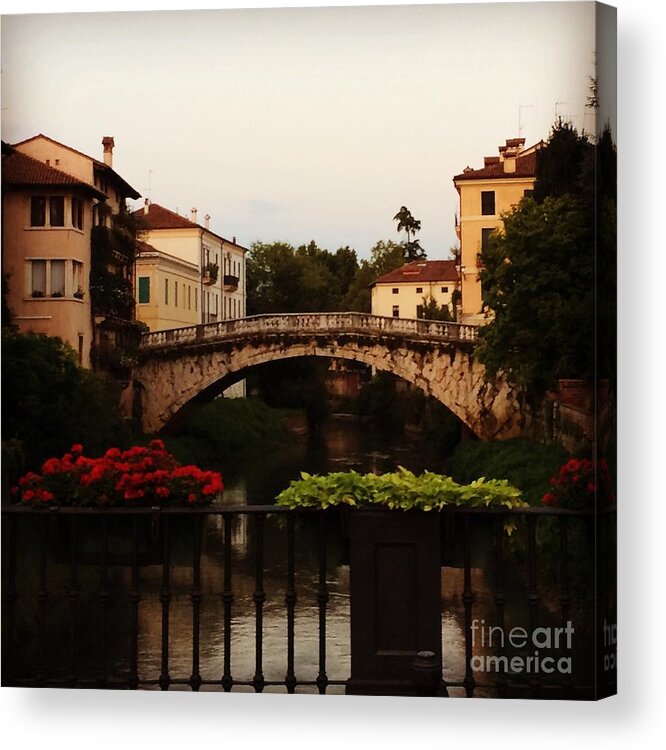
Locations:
{"points": [[399, 490]]}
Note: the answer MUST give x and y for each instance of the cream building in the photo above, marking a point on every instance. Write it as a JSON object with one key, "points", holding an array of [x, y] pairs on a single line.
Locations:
{"points": [[404, 292], [485, 194], [51, 199], [196, 275]]}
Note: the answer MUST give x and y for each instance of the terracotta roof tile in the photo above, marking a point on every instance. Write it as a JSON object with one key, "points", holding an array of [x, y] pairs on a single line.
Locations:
{"points": [[159, 217], [129, 190], [421, 270], [21, 170], [525, 167]]}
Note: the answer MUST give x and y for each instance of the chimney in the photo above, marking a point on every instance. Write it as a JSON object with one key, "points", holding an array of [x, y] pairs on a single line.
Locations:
{"points": [[108, 144], [207, 221], [193, 216], [146, 206]]}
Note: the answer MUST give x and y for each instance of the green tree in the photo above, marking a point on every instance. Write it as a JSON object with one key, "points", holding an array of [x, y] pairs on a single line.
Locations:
{"points": [[307, 279], [431, 310], [538, 280], [559, 166], [412, 247], [49, 402]]}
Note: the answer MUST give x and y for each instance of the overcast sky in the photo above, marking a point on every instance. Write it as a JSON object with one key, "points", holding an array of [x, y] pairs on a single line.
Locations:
{"points": [[306, 123]]}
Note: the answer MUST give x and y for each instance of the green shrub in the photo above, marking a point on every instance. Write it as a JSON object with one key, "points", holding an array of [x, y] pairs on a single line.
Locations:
{"points": [[229, 428], [525, 463]]}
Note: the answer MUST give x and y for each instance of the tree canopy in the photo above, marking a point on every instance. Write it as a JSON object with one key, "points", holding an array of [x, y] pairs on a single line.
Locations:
{"points": [[406, 222]]}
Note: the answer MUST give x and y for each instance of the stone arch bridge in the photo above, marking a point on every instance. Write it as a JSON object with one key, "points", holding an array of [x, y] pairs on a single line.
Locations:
{"points": [[181, 368]]}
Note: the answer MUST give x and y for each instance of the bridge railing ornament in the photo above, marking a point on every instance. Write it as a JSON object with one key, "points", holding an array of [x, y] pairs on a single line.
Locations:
{"points": [[303, 322]]}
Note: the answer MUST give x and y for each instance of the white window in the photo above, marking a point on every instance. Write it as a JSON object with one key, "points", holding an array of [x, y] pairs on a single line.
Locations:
{"points": [[57, 278], [54, 277], [38, 278]]}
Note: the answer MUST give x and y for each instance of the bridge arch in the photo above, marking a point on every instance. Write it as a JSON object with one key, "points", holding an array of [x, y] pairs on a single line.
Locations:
{"points": [[180, 369]]}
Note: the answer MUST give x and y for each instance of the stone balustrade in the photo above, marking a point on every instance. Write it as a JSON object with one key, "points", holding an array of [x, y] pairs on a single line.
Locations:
{"points": [[339, 322]]}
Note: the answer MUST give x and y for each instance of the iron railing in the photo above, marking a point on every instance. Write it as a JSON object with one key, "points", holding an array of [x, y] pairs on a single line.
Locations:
{"points": [[64, 560], [304, 323]]}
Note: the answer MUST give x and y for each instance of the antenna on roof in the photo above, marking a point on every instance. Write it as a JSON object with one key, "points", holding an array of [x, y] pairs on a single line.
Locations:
{"points": [[150, 180], [521, 107]]}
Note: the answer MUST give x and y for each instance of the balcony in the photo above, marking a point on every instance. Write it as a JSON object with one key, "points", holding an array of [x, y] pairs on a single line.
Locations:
{"points": [[210, 273], [230, 283]]}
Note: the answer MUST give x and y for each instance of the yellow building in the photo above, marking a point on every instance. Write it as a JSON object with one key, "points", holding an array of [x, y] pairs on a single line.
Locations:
{"points": [[406, 291], [186, 274], [168, 289], [485, 194], [52, 197]]}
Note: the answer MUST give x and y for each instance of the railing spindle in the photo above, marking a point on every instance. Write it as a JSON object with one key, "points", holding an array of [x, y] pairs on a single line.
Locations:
{"points": [[468, 599], [104, 603], [259, 598], [290, 600], [196, 595], [500, 600], [10, 654], [322, 600], [42, 600], [165, 598], [227, 598], [133, 682], [533, 590], [73, 597]]}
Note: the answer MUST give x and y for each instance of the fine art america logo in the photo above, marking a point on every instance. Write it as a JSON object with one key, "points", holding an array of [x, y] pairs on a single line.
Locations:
{"points": [[542, 642]]}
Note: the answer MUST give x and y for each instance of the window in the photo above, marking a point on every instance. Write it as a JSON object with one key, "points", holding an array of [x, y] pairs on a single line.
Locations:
{"points": [[37, 211], [166, 291], [189, 297], [196, 299], [144, 289], [445, 290], [50, 211], [528, 193], [396, 311], [57, 278], [395, 290], [175, 293], [419, 290], [80, 347], [57, 211], [54, 278], [419, 311], [488, 202], [38, 278], [77, 213], [485, 238], [77, 277]]}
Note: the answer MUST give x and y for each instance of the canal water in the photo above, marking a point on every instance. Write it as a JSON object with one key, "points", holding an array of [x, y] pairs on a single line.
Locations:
{"points": [[341, 444]]}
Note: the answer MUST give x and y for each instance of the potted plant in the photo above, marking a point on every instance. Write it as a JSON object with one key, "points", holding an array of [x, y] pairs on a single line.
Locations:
{"points": [[395, 561], [141, 476], [78, 294]]}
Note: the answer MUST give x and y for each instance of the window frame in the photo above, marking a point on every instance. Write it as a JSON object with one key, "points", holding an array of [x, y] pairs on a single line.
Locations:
{"points": [[484, 203], [146, 288]]}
